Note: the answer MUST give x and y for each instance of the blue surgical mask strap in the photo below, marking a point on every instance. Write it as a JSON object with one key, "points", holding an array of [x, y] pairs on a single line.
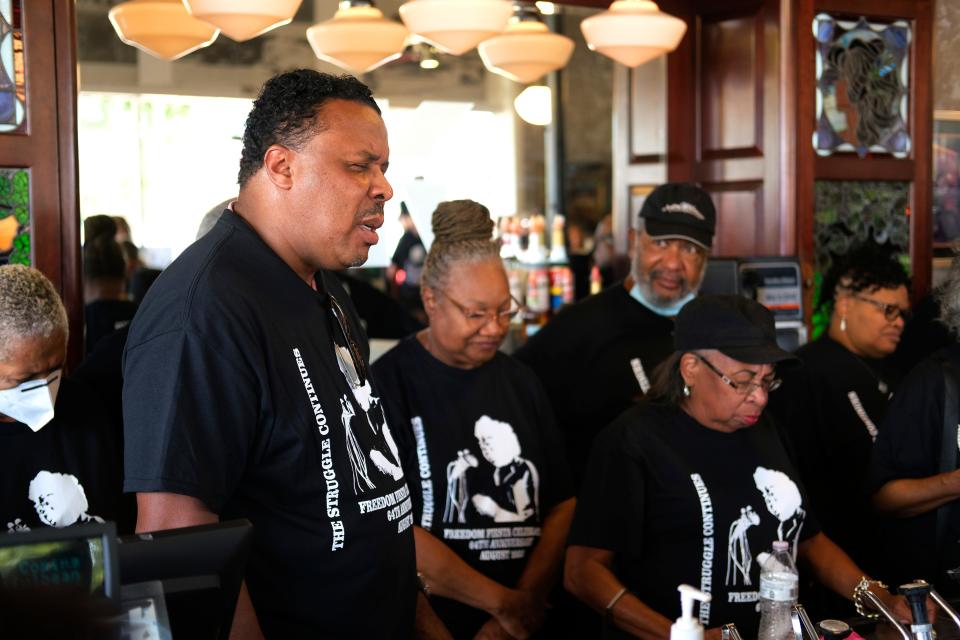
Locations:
{"points": [[666, 312]]}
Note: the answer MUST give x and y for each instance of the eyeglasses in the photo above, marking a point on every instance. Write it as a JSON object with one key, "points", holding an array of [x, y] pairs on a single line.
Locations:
{"points": [[890, 311], [482, 317], [349, 357], [743, 388]]}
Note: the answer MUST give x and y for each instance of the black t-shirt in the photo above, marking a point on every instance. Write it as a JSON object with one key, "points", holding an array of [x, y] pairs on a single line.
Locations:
{"points": [[909, 447], [680, 503], [832, 408], [233, 394], [103, 317], [67, 473], [487, 458], [410, 256], [596, 359]]}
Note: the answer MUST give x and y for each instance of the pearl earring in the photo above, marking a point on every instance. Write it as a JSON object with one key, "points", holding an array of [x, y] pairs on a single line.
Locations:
{"points": [[843, 324], [686, 391]]}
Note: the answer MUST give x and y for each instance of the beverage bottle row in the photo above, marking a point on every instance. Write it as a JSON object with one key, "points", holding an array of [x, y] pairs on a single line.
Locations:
{"points": [[540, 276]]}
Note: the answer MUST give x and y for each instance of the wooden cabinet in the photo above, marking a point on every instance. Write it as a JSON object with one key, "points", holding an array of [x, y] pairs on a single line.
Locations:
{"points": [[733, 108], [44, 150]]}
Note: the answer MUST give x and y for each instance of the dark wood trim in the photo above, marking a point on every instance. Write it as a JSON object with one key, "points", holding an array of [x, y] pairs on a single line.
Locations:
{"points": [[921, 131], [683, 111], [71, 285], [888, 9], [741, 152], [650, 158], [788, 131], [848, 166], [804, 67]]}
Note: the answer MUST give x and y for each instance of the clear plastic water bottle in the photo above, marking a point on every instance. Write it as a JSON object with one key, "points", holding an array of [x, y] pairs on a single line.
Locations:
{"points": [[779, 584]]}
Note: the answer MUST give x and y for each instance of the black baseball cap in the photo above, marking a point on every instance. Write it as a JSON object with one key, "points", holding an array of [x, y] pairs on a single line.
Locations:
{"points": [[680, 210], [737, 326]]}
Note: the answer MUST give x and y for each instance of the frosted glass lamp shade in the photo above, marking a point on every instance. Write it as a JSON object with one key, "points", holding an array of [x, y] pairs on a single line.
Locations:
{"points": [[535, 105], [526, 51], [162, 28], [456, 26], [244, 19], [633, 32], [359, 39]]}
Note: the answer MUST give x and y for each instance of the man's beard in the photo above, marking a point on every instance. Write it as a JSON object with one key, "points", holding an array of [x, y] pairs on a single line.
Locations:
{"points": [[646, 288]]}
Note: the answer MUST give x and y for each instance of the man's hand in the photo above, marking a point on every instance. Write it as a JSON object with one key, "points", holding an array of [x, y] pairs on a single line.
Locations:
{"points": [[492, 630], [520, 613], [900, 608]]}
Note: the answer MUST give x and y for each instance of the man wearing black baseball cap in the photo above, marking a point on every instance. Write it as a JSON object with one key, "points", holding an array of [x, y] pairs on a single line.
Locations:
{"points": [[596, 358]]}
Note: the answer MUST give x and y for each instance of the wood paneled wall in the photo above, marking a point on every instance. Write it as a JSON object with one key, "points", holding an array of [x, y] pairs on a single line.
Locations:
{"points": [[49, 149], [739, 96], [722, 96]]}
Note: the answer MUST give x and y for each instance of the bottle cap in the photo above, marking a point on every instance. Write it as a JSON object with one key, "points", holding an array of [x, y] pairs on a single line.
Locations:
{"points": [[781, 545]]}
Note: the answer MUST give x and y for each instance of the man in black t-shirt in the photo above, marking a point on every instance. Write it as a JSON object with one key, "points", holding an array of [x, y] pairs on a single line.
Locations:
{"points": [[597, 357], [915, 463], [408, 259], [59, 451], [246, 392]]}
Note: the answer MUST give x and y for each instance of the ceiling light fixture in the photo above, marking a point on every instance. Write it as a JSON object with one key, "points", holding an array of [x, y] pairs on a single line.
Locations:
{"points": [[546, 8], [535, 105], [633, 32], [527, 49], [456, 26], [358, 37], [244, 19], [162, 28]]}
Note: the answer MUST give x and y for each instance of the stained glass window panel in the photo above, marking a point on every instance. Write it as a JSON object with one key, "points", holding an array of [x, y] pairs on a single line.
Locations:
{"points": [[13, 93], [862, 86], [14, 216]]}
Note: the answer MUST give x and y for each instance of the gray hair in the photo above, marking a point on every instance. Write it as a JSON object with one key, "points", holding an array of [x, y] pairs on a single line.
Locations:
{"points": [[948, 295], [463, 232], [30, 307]]}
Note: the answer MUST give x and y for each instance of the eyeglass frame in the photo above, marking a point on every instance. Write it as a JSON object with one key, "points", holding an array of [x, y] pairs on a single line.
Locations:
{"points": [[487, 316], [885, 308], [751, 386], [355, 354]]}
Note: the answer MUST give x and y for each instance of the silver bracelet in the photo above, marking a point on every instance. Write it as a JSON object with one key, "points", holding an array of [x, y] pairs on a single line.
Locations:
{"points": [[614, 600], [858, 591]]}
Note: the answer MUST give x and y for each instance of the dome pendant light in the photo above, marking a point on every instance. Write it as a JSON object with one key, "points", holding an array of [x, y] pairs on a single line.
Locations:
{"points": [[633, 32], [534, 105], [527, 49], [162, 28], [456, 26], [358, 37], [244, 19]]}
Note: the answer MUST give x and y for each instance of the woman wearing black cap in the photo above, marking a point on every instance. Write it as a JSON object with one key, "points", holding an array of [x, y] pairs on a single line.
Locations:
{"points": [[693, 485]]}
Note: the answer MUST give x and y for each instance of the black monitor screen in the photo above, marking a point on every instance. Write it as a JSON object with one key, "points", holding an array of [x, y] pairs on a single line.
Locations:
{"points": [[201, 569]]}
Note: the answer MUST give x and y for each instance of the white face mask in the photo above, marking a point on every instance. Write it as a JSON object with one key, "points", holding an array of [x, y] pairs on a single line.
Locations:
{"points": [[32, 402], [669, 311]]}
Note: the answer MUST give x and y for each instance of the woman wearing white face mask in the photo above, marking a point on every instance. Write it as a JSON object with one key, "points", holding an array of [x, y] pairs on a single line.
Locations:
{"points": [[60, 457]]}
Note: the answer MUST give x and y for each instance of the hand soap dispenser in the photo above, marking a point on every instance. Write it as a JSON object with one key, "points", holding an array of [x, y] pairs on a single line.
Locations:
{"points": [[687, 627]]}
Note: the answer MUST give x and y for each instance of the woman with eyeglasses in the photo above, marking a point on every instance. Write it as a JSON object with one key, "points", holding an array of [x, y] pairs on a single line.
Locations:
{"points": [[695, 484], [492, 494], [833, 405]]}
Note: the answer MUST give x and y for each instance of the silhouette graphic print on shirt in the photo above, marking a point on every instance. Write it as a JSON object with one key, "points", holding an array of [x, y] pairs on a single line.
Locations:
{"points": [[784, 502], [58, 499], [384, 455], [511, 493]]}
